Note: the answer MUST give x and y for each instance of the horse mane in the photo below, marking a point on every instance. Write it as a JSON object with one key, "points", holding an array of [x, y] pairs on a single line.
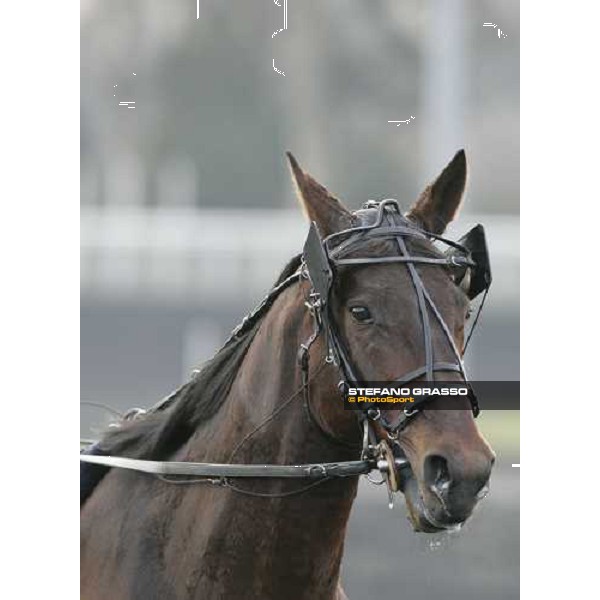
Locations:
{"points": [[160, 433]]}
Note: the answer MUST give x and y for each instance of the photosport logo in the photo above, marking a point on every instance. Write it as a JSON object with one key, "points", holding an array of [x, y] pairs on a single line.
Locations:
{"points": [[450, 395]]}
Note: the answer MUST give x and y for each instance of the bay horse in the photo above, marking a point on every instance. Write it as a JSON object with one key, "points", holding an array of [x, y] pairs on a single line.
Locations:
{"points": [[145, 538]]}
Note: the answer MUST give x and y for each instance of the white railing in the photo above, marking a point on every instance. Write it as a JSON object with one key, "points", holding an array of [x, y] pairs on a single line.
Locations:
{"points": [[229, 256]]}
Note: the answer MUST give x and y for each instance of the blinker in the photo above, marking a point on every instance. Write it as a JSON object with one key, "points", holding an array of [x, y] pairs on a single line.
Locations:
{"points": [[317, 264], [479, 276]]}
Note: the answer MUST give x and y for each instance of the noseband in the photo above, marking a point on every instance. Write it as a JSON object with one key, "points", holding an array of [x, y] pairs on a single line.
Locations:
{"points": [[383, 220]]}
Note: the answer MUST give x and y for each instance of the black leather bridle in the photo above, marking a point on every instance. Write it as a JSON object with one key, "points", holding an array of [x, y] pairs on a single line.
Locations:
{"points": [[321, 259], [384, 220]]}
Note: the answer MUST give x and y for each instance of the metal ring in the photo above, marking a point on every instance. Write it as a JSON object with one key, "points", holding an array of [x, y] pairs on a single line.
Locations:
{"points": [[374, 414], [410, 413], [375, 482], [134, 413], [392, 434]]}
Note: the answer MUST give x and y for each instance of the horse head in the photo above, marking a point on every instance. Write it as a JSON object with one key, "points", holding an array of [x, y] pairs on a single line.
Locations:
{"points": [[392, 318]]}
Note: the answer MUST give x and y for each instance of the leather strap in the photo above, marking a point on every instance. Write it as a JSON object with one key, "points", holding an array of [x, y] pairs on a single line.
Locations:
{"points": [[436, 366], [191, 469], [458, 261]]}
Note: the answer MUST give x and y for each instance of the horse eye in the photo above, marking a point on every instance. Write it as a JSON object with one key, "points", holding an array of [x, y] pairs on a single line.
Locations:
{"points": [[361, 314]]}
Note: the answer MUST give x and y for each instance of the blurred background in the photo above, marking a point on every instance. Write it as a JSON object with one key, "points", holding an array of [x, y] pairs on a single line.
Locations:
{"points": [[188, 212]]}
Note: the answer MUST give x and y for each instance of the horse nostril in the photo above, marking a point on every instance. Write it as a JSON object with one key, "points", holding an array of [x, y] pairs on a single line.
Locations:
{"points": [[437, 474]]}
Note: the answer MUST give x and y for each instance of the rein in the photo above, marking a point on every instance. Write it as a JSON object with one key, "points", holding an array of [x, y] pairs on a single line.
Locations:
{"points": [[193, 469]]}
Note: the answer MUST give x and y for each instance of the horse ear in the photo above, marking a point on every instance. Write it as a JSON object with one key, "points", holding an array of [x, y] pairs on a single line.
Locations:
{"points": [[318, 204], [439, 202]]}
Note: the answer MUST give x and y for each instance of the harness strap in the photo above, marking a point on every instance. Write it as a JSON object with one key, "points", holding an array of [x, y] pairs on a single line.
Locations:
{"points": [[191, 469], [418, 285], [436, 366], [457, 261], [304, 364]]}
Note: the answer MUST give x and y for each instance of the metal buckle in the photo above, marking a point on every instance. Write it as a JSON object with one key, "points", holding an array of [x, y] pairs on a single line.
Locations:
{"points": [[314, 303], [321, 471], [371, 204]]}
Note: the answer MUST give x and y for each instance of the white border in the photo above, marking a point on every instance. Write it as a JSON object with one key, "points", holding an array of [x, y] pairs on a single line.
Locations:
{"points": [[40, 299], [39, 239], [559, 297]]}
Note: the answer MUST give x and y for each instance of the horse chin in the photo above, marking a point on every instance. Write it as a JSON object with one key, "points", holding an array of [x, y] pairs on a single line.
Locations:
{"points": [[421, 517]]}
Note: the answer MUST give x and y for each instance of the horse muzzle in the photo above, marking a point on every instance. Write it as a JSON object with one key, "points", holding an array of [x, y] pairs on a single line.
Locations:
{"points": [[437, 507]]}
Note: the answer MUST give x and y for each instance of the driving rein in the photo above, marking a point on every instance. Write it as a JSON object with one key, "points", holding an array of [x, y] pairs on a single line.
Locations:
{"points": [[468, 258]]}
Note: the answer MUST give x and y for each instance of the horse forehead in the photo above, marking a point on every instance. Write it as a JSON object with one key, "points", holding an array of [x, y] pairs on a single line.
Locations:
{"points": [[391, 277], [391, 284]]}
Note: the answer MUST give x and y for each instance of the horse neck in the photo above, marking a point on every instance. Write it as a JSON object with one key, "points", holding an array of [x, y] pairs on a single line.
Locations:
{"points": [[300, 537], [265, 417]]}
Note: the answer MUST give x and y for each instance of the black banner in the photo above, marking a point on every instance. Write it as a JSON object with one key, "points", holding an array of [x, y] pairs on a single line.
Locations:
{"points": [[436, 395]]}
